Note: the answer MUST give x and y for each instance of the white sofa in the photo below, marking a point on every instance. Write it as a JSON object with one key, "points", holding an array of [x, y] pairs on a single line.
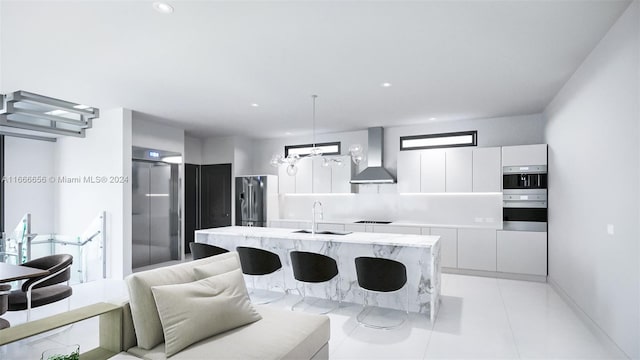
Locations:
{"points": [[280, 334]]}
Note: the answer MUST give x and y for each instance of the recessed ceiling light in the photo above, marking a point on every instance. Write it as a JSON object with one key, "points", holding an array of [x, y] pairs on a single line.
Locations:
{"points": [[385, 84], [163, 8], [432, 118], [254, 105], [288, 133]]}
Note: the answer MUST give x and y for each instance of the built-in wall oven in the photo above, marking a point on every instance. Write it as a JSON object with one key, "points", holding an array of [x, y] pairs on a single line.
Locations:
{"points": [[524, 190]]}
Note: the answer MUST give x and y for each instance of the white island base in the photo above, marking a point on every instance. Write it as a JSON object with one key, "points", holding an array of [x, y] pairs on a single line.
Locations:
{"points": [[419, 253]]}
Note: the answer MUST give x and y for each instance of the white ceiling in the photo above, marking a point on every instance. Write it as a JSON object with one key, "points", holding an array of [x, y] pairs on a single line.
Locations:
{"points": [[204, 65]]}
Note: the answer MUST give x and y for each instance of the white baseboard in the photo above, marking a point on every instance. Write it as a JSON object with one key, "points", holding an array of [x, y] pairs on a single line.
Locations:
{"points": [[591, 324], [495, 274]]}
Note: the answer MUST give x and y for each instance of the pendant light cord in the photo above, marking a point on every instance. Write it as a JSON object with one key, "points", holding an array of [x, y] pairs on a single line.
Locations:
{"points": [[314, 119]]}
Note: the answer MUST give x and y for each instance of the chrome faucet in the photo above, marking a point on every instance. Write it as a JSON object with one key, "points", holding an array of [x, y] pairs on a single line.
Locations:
{"points": [[314, 225]]}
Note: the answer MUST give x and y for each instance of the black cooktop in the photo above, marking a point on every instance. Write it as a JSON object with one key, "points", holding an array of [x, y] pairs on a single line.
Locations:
{"points": [[372, 222]]}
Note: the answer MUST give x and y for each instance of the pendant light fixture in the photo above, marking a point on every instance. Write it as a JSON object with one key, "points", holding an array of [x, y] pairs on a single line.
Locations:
{"points": [[291, 160]]}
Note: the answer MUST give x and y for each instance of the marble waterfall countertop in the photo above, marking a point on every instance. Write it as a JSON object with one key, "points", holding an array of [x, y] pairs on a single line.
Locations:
{"points": [[350, 237], [419, 253]]}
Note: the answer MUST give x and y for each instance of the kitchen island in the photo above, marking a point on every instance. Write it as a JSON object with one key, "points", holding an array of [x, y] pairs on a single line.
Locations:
{"points": [[419, 253]]}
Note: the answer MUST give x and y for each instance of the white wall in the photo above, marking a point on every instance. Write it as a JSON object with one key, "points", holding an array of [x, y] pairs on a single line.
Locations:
{"points": [[594, 180], [192, 150], [149, 133], [106, 151], [24, 157], [218, 150], [243, 156]]}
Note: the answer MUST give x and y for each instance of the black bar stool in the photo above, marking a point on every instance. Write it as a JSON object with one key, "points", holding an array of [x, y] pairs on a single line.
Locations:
{"points": [[202, 250], [382, 276], [258, 262], [314, 268]]}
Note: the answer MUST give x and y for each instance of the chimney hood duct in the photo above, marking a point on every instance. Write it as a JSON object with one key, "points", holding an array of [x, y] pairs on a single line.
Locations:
{"points": [[374, 173]]}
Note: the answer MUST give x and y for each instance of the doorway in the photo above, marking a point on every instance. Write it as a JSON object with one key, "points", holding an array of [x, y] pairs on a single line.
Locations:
{"points": [[207, 198]]}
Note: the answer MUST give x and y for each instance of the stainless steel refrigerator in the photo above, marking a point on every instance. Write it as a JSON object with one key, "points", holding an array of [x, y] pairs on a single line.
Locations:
{"points": [[155, 217], [256, 197]]}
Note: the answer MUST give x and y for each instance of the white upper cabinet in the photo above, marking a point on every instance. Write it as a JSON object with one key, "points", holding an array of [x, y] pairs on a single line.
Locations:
{"points": [[286, 183], [487, 171], [321, 176], [432, 171], [304, 177], [341, 176], [524, 155], [459, 170], [409, 171], [313, 177]]}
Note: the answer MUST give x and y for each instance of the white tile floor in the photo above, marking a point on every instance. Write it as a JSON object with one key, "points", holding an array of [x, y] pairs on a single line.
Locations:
{"points": [[479, 318]]}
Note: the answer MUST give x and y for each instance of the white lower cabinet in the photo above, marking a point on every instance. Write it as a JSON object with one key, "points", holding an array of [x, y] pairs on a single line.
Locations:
{"points": [[477, 249], [448, 246], [330, 227], [391, 229], [286, 224], [355, 227], [522, 252]]}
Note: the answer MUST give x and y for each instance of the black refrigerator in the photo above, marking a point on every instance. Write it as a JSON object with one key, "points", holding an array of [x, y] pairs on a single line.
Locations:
{"points": [[207, 198]]}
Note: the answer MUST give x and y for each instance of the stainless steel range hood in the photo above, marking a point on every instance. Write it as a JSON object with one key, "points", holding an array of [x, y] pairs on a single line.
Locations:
{"points": [[374, 173]]}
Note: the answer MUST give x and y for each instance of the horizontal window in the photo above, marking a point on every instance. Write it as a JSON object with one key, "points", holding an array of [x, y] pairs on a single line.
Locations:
{"points": [[332, 148], [434, 141]]}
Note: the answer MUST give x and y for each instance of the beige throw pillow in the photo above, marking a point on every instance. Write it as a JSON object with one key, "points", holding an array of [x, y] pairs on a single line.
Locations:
{"points": [[194, 311], [143, 306]]}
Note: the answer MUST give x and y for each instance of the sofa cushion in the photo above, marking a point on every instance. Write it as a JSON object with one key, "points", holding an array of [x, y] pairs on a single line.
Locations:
{"points": [[281, 334], [214, 268], [143, 307], [194, 311]]}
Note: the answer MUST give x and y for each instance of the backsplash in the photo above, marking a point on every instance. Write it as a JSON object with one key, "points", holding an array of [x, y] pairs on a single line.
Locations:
{"points": [[463, 209]]}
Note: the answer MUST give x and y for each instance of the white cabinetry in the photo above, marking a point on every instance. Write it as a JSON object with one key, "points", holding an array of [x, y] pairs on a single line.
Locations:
{"points": [[448, 246], [301, 183], [487, 171], [286, 183], [409, 171], [357, 227], [522, 252], [524, 155], [289, 224], [304, 177], [432, 171], [395, 229], [477, 249], [330, 227], [459, 170], [312, 177], [321, 176], [341, 176], [450, 170]]}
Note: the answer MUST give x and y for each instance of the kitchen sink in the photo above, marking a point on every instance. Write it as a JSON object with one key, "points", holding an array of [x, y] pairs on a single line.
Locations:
{"points": [[323, 232]]}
